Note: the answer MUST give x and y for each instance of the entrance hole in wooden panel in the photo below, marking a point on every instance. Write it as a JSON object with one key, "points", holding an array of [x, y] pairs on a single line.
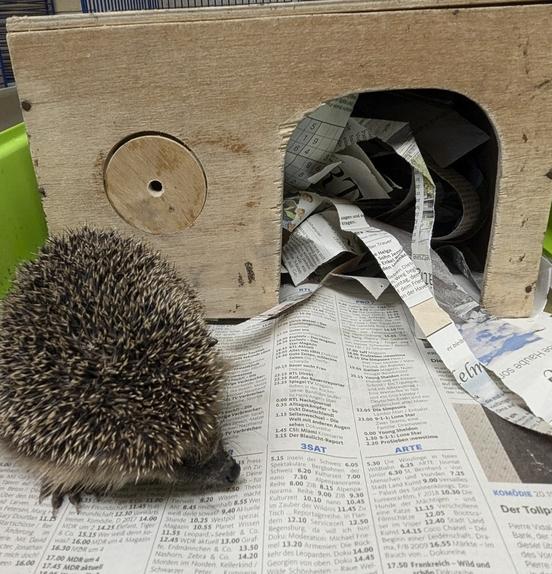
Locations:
{"points": [[429, 112], [155, 183]]}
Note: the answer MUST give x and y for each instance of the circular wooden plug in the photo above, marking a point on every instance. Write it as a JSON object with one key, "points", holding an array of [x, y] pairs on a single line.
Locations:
{"points": [[155, 184]]}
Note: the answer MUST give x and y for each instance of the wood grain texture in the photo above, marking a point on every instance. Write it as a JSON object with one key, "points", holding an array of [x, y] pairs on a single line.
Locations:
{"points": [[249, 11], [155, 184], [232, 87]]}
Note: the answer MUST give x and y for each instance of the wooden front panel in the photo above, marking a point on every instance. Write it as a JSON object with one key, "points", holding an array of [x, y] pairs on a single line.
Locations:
{"points": [[232, 85]]}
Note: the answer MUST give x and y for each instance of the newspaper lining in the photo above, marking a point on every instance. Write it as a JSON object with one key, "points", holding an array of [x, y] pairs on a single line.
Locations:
{"points": [[353, 459], [518, 358]]}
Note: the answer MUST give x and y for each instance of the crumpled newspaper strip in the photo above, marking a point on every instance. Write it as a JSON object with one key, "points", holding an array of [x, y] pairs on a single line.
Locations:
{"points": [[518, 351], [314, 140], [399, 137], [291, 296], [306, 160], [469, 199], [433, 321], [318, 240], [404, 273]]}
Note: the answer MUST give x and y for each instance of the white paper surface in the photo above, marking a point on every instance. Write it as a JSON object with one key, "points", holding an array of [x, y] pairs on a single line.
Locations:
{"points": [[466, 362], [522, 361], [352, 177], [315, 242], [353, 459], [398, 136], [471, 205], [314, 140]]}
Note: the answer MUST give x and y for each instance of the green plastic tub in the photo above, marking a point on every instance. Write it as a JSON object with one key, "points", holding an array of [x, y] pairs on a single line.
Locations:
{"points": [[22, 223]]}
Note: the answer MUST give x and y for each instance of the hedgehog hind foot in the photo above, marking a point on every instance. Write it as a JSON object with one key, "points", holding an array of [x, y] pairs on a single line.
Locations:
{"points": [[58, 495]]}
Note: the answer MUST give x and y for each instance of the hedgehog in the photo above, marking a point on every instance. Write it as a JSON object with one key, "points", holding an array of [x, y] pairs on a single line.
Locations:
{"points": [[108, 373]]}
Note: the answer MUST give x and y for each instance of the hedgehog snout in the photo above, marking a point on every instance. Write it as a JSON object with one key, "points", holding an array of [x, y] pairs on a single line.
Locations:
{"points": [[219, 470], [224, 469]]}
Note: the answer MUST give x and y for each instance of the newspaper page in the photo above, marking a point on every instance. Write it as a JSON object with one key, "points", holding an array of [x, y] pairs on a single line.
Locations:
{"points": [[354, 459], [517, 357], [466, 362], [314, 140], [314, 243]]}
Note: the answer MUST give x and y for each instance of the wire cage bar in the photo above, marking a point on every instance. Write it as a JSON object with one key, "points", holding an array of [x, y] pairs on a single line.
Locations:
{"points": [[121, 5], [118, 5], [17, 8]]}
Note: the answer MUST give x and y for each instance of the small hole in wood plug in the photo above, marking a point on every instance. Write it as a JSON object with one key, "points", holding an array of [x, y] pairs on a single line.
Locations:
{"points": [[155, 188], [26, 105]]}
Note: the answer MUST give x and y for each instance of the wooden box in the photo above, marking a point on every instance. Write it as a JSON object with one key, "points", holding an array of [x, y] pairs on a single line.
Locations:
{"points": [[226, 86]]}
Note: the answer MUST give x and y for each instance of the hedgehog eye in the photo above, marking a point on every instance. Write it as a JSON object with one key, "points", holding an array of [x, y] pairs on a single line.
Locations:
{"points": [[203, 452]]}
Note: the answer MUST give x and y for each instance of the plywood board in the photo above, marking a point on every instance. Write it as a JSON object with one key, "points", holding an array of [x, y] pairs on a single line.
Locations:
{"points": [[232, 84], [260, 10]]}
